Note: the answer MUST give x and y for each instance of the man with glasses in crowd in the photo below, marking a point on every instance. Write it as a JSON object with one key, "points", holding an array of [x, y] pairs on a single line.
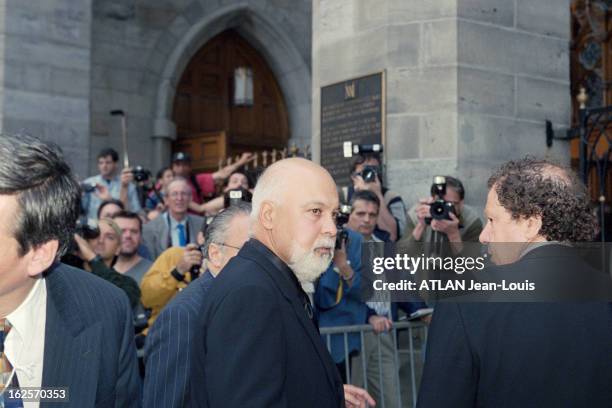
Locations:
{"points": [[176, 227], [172, 351]]}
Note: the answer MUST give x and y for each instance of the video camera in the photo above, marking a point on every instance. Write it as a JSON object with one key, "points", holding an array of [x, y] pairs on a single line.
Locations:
{"points": [[440, 209]]}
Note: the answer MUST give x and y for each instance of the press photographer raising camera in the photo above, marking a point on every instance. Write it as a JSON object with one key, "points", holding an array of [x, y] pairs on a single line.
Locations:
{"points": [[444, 212], [366, 175]]}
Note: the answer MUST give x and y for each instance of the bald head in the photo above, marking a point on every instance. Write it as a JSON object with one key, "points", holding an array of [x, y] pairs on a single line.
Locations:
{"points": [[294, 207], [286, 177]]}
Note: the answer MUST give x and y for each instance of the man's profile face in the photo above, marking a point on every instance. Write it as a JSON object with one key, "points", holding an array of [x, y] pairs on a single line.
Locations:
{"points": [[179, 196], [305, 229], [108, 243], [181, 168], [505, 236], [13, 268], [106, 166], [130, 235], [363, 218]]}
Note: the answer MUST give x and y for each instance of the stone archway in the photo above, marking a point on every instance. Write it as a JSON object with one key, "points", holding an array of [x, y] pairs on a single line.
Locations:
{"points": [[289, 67]]}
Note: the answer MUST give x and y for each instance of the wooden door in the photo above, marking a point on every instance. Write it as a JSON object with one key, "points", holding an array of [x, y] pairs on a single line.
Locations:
{"points": [[204, 99], [205, 149]]}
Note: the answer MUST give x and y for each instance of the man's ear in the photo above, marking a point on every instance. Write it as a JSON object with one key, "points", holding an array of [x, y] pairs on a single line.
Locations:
{"points": [[214, 254], [41, 257], [267, 214], [534, 225]]}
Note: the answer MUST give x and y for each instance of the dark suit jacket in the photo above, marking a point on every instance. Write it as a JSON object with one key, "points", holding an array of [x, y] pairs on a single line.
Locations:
{"points": [[156, 234], [89, 341], [262, 350], [521, 354], [174, 351]]}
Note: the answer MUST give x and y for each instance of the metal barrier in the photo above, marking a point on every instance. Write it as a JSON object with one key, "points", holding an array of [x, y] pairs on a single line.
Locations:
{"points": [[417, 336]]}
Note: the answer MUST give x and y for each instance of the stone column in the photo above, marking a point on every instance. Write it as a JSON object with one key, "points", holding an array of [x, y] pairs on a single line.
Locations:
{"points": [[470, 83], [46, 73]]}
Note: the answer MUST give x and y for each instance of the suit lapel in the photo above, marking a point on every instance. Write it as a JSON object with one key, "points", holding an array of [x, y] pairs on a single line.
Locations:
{"points": [[164, 239], [290, 293], [72, 349]]}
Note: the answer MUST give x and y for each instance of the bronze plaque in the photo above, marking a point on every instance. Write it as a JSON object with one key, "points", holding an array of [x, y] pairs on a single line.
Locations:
{"points": [[351, 111]]}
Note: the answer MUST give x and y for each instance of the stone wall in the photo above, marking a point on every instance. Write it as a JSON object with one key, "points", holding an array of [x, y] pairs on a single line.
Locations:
{"points": [[469, 82], [46, 65]]}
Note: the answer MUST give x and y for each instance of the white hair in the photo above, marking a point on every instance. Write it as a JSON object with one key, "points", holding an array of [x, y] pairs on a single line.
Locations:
{"points": [[269, 187]]}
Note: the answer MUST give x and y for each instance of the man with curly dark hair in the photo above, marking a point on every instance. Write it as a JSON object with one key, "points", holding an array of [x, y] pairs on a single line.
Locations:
{"points": [[520, 354]]}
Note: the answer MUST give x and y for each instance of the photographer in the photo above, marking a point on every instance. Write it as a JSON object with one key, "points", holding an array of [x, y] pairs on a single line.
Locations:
{"points": [[203, 185], [366, 175], [98, 254], [107, 185], [461, 225], [237, 181]]}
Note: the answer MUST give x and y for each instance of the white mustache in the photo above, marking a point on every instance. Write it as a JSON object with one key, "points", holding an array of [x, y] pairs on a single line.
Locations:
{"points": [[325, 243]]}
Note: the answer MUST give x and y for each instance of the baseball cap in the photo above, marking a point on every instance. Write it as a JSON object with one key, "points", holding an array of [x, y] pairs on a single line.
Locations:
{"points": [[180, 156]]}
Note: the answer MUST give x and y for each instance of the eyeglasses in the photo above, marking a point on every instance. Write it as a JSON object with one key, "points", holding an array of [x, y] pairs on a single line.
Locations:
{"points": [[176, 194], [227, 245]]}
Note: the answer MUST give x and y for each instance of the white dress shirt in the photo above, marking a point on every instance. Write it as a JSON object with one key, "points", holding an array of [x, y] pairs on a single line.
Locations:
{"points": [[25, 344]]}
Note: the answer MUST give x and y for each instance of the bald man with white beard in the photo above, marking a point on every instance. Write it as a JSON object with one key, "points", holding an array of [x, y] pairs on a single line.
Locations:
{"points": [[261, 345]]}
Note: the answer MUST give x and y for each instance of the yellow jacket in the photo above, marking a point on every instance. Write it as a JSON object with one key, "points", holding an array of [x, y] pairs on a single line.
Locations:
{"points": [[158, 286]]}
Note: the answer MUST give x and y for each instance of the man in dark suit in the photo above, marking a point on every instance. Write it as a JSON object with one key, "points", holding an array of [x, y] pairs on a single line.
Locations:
{"points": [[255, 343], [60, 327], [174, 343], [262, 345], [520, 354], [175, 227]]}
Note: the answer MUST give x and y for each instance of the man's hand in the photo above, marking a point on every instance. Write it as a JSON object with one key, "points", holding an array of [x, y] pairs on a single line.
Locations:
{"points": [[191, 256], [374, 186], [126, 176], [86, 253], [102, 192], [423, 210], [380, 323], [448, 227], [355, 397], [341, 262]]}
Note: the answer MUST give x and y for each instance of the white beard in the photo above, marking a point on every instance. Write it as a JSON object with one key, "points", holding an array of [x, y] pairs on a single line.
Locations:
{"points": [[307, 265]]}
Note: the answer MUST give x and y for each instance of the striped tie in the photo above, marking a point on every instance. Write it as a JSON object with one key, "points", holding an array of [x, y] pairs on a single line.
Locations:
{"points": [[6, 369]]}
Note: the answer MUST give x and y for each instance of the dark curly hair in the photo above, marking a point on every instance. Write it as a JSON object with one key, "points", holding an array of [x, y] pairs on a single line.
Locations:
{"points": [[535, 187]]}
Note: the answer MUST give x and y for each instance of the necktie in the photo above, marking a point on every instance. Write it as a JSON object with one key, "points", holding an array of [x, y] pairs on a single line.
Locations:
{"points": [[181, 235], [6, 369]]}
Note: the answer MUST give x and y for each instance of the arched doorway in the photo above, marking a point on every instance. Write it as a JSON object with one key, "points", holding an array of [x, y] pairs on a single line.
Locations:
{"points": [[211, 123]]}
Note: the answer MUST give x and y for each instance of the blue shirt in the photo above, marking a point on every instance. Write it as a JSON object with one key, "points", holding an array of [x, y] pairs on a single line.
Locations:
{"points": [[350, 310], [91, 202]]}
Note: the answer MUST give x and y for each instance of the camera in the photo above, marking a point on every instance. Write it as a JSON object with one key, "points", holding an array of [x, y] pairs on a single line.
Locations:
{"points": [[195, 269], [440, 209], [88, 187], [369, 174], [351, 149], [233, 197], [141, 174], [342, 218]]}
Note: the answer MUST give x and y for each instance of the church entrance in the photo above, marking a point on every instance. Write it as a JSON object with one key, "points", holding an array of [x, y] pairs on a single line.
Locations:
{"points": [[228, 102]]}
